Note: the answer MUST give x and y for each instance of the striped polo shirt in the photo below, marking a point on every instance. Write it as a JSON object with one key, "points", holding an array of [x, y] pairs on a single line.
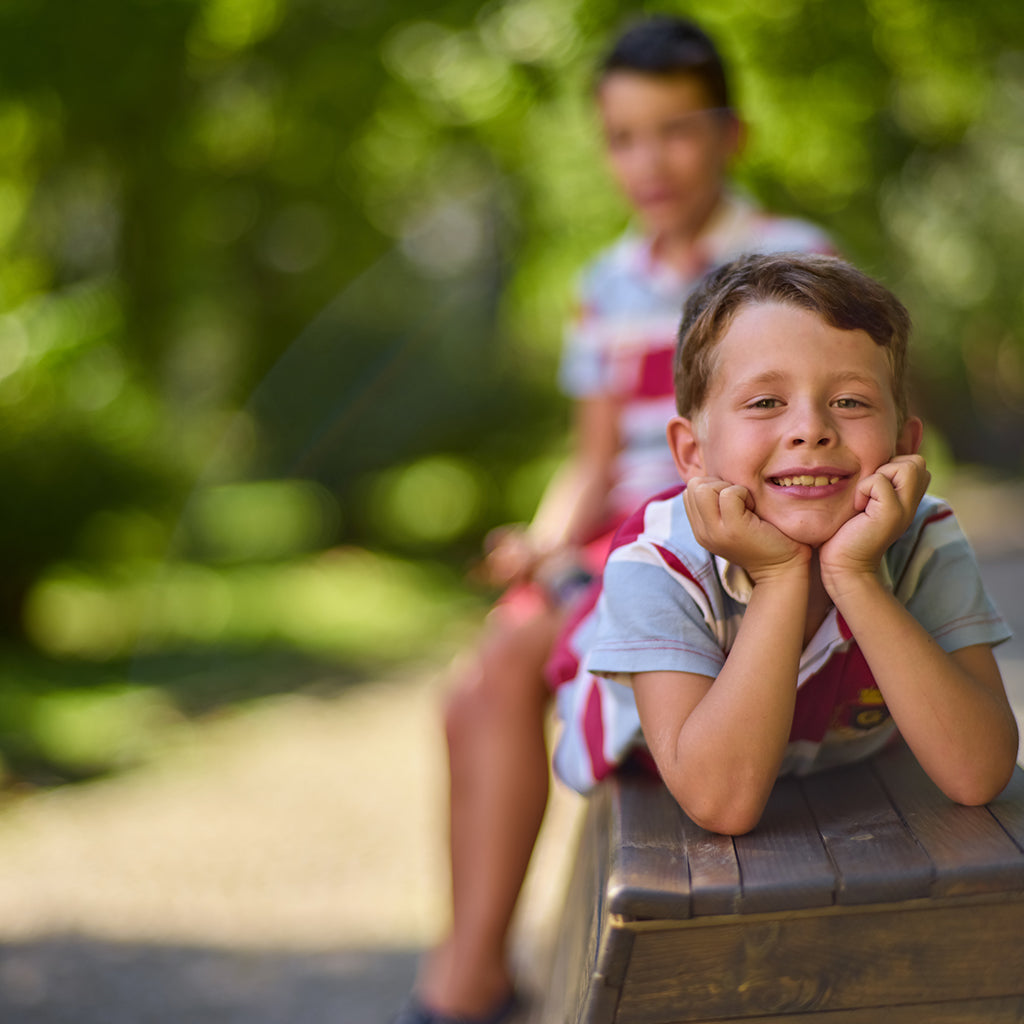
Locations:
{"points": [[621, 339], [667, 604]]}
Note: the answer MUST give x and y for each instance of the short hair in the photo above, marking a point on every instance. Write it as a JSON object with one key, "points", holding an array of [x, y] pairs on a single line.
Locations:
{"points": [[843, 296], [667, 45]]}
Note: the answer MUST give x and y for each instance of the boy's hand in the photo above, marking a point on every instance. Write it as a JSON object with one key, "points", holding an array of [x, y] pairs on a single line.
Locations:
{"points": [[886, 502], [724, 522], [510, 557]]}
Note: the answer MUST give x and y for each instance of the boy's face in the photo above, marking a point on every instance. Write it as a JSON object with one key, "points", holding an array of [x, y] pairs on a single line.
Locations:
{"points": [[667, 150], [797, 412]]}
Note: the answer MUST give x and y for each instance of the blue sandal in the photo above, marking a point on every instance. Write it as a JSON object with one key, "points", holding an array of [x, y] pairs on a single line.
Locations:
{"points": [[415, 1012]]}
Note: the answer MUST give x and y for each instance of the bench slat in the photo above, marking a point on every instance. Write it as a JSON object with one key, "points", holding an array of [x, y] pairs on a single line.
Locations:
{"points": [[969, 1011], [1008, 809], [714, 868], [864, 894], [877, 859], [649, 876], [970, 850], [830, 960], [783, 864]]}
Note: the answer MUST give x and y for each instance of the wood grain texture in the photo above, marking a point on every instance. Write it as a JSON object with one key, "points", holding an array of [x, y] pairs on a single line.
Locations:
{"points": [[650, 875], [1008, 810], [969, 850], [970, 1011], [783, 862], [876, 857], [825, 961], [569, 979], [714, 868], [864, 895]]}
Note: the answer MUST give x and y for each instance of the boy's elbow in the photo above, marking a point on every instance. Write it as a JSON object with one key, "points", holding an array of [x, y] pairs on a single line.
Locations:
{"points": [[731, 804], [973, 792], [728, 825], [729, 818]]}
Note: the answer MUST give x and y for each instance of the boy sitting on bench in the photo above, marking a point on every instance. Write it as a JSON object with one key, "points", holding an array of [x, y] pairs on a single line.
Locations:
{"points": [[800, 599]]}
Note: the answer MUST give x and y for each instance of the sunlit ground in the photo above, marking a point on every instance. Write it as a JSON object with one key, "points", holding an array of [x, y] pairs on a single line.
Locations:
{"points": [[279, 809], [265, 797]]}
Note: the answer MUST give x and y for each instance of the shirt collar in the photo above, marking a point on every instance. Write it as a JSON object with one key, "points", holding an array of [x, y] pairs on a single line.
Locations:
{"points": [[739, 586], [726, 233]]}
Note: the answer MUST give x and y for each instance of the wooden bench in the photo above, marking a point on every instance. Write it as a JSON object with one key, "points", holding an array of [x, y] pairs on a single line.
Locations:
{"points": [[863, 896]]}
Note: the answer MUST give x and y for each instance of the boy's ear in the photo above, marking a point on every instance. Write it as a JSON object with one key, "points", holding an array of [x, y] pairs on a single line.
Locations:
{"points": [[909, 441], [685, 448], [736, 139]]}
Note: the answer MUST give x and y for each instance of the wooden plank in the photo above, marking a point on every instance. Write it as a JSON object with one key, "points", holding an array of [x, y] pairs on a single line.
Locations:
{"points": [[714, 870], [825, 961], [572, 968], [876, 858], [611, 947], [649, 876], [969, 1011], [783, 864], [1008, 808], [970, 850]]}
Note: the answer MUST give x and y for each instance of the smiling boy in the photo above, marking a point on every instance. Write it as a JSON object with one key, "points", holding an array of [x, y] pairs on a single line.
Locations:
{"points": [[801, 599]]}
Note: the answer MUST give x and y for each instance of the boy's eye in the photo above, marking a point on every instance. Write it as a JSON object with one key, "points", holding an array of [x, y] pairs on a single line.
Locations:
{"points": [[618, 140], [849, 403], [765, 403], [688, 128]]}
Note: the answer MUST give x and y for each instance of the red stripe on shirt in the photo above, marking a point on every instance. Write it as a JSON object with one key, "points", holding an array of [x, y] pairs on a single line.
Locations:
{"points": [[564, 663], [593, 733], [655, 379], [828, 698], [633, 526], [677, 566], [943, 513]]}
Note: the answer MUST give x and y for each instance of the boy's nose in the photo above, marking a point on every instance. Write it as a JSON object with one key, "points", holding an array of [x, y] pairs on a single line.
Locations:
{"points": [[824, 441], [814, 430], [649, 155]]}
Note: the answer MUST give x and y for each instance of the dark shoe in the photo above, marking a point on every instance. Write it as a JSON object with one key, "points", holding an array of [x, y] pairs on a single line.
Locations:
{"points": [[415, 1012]]}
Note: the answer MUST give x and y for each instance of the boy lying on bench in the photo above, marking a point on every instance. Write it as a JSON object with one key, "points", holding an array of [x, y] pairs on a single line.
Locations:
{"points": [[801, 599]]}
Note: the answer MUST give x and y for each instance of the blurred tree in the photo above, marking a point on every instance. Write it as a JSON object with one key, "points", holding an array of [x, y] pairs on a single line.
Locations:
{"points": [[175, 207], [329, 238], [894, 122]]}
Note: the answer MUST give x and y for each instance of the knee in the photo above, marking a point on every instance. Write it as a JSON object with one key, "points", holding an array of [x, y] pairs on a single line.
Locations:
{"points": [[459, 709], [501, 685], [476, 702]]}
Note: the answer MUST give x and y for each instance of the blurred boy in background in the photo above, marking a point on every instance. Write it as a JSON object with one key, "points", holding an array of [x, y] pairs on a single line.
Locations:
{"points": [[670, 134]]}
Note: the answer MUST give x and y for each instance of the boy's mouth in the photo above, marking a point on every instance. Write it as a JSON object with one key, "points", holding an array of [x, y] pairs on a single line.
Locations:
{"points": [[804, 480]]}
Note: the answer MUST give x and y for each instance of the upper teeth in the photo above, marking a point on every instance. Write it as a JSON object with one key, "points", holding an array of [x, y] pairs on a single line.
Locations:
{"points": [[806, 481]]}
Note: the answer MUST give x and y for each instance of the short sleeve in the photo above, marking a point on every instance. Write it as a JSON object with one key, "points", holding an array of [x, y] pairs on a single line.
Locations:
{"points": [[654, 616], [937, 577]]}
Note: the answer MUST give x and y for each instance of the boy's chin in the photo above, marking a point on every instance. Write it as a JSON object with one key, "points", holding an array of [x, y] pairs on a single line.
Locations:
{"points": [[813, 531]]}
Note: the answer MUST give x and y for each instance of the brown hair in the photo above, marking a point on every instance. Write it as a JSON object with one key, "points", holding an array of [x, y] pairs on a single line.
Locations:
{"points": [[664, 45], [841, 295]]}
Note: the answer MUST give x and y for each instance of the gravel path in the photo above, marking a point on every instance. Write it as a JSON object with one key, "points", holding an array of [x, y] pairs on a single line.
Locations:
{"points": [[278, 864], [281, 864]]}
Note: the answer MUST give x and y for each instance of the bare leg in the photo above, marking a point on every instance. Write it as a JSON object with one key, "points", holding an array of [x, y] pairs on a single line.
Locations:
{"points": [[499, 787]]}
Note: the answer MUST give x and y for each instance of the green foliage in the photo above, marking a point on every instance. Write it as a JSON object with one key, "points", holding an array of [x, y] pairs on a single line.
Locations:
{"points": [[125, 660], [260, 239]]}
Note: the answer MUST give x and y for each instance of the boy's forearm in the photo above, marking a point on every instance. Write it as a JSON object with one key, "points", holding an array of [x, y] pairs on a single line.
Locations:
{"points": [[573, 506], [575, 501], [722, 760], [960, 726]]}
